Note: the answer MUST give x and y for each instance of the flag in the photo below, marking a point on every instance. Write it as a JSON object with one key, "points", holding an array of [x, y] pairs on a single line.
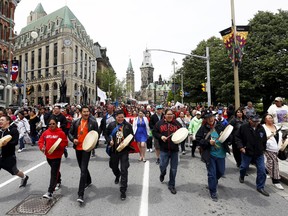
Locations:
{"points": [[241, 38], [4, 66], [14, 70]]}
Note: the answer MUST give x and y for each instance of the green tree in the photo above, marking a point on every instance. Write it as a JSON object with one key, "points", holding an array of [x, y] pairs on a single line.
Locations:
{"points": [[264, 70], [106, 80]]}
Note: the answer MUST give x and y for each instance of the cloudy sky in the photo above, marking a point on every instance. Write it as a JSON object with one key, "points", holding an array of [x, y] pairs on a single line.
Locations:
{"points": [[127, 27]]}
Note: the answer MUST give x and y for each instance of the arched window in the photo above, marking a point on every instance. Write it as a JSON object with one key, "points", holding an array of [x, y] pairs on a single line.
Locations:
{"points": [[39, 88], [75, 87], [46, 87], [55, 86]]}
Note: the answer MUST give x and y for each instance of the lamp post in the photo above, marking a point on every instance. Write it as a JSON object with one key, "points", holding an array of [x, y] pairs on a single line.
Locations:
{"points": [[207, 58], [174, 75]]}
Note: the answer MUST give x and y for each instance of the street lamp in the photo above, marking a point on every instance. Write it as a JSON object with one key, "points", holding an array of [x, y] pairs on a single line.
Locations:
{"points": [[207, 58]]}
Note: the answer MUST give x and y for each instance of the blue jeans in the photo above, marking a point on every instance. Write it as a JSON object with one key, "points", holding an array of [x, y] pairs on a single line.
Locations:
{"points": [[21, 142], [260, 165], [164, 160], [216, 169]]}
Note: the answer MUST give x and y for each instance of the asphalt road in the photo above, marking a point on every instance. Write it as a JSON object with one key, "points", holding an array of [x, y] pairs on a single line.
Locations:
{"points": [[145, 194]]}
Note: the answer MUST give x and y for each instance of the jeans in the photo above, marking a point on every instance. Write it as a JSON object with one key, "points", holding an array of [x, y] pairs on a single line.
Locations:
{"points": [[83, 158], [164, 160], [123, 158], [260, 165], [216, 169], [55, 175], [21, 142]]}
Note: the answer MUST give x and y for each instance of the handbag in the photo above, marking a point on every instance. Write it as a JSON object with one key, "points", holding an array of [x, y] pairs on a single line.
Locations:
{"points": [[39, 125], [282, 155], [27, 138]]}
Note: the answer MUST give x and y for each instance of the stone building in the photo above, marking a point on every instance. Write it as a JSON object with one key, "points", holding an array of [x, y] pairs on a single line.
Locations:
{"points": [[7, 11], [153, 92], [130, 81], [62, 51]]}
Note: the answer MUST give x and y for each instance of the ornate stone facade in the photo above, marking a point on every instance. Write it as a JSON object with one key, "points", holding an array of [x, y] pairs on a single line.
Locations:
{"points": [[62, 50]]}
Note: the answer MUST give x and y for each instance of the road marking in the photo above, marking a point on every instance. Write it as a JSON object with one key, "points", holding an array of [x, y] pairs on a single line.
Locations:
{"points": [[145, 191], [16, 177]]}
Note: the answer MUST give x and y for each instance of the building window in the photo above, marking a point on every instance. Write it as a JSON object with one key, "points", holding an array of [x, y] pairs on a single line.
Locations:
{"points": [[39, 88]]}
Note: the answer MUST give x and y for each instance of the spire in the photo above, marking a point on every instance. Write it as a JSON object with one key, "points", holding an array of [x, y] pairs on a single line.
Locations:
{"points": [[39, 9], [130, 68]]}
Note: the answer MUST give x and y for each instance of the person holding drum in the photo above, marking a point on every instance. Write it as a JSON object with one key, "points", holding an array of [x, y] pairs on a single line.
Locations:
{"points": [[52, 143], [213, 151], [163, 131], [116, 133], [78, 131], [7, 148]]}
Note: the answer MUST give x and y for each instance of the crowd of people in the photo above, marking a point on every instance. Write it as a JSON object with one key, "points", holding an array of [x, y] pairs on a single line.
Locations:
{"points": [[152, 127]]}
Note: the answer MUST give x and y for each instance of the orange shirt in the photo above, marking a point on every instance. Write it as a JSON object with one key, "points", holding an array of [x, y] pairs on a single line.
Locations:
{"points": [[82, 132]]}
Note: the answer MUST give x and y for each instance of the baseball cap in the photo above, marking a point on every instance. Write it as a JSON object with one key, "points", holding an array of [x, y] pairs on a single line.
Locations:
{"points": [[278, 99], [198, 113], [254, 118], [220, 112], [159, 107], [208, 113]]}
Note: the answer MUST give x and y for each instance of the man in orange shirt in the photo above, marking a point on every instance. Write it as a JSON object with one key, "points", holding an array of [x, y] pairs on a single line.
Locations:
{"points": [[79, 129]]}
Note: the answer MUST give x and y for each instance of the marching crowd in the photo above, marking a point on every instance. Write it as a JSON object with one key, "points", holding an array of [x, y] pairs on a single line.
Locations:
{"points": [[252, 140]]}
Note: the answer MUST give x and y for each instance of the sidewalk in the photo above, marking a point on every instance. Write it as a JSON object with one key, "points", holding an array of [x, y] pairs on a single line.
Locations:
{"points": [[283, 167]]}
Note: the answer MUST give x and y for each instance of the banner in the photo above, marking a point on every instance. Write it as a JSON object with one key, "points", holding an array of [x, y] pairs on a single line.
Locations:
{"points": [[241, 38], [14, 70], [4, 66], [101, 94]]}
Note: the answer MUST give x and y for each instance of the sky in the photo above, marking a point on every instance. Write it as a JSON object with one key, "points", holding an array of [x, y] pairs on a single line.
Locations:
{"points": [[127, 27]]}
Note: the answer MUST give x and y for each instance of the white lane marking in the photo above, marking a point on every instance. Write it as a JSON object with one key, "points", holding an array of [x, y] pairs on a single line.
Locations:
{"points": [[16, 177], [143, 211]]}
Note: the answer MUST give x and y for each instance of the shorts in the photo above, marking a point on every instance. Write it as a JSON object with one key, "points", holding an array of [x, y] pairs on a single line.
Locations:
{"points": [[156, 143], [9, 164]]}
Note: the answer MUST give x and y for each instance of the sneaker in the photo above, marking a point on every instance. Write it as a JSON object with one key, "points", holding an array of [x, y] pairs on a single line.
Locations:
{"points": [[48, 195], [278, 186], [161, 178], [20, 150], [151, 150], [183, 152], [241, 179], [173, 190], [58, 185], [268, 177], [148, 150], [158, 161], [262, 191], [117, 180], [123, 196], [214, 197], [80, 199], [24, 181]]}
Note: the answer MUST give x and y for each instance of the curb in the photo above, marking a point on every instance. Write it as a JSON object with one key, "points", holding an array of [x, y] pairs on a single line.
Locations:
{"points": [[284, 177]]}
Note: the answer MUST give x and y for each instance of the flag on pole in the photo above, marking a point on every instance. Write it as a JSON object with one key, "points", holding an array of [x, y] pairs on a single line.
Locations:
{"points": [[4, 66], [241, 38], [14, 70]]}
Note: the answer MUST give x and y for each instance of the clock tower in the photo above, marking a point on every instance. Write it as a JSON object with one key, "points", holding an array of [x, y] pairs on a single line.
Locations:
{"points": [[147, 70]]}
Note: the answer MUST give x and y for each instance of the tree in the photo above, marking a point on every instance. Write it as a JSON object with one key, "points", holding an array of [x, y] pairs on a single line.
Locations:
{"points": [[264, 70], [106, 80]]}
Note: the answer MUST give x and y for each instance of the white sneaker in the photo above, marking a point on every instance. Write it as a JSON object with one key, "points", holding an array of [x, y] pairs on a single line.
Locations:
{"points": [[20, 150], [147, 150], [279, 186], [58, 185], [268, 177]]}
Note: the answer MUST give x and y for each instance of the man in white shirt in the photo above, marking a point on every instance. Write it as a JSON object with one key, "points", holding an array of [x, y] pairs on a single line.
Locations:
{"points": [[279, 111]]}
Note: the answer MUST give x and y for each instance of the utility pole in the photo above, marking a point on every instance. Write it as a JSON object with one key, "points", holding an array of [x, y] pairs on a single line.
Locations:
{"points": [[174, 75], [235, 64]]}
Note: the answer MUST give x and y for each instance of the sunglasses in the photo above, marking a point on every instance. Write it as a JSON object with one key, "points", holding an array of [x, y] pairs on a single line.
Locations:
{"points": [[52, 124]]}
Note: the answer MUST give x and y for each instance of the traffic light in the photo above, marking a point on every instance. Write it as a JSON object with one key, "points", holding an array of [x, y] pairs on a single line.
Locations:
{"points": [[203, 87], [29, 90]]}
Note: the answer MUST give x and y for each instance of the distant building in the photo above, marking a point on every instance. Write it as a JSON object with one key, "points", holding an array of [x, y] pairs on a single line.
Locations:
{"points": [[62, 50], [153, 92], [7, 11], [130, 81]]}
